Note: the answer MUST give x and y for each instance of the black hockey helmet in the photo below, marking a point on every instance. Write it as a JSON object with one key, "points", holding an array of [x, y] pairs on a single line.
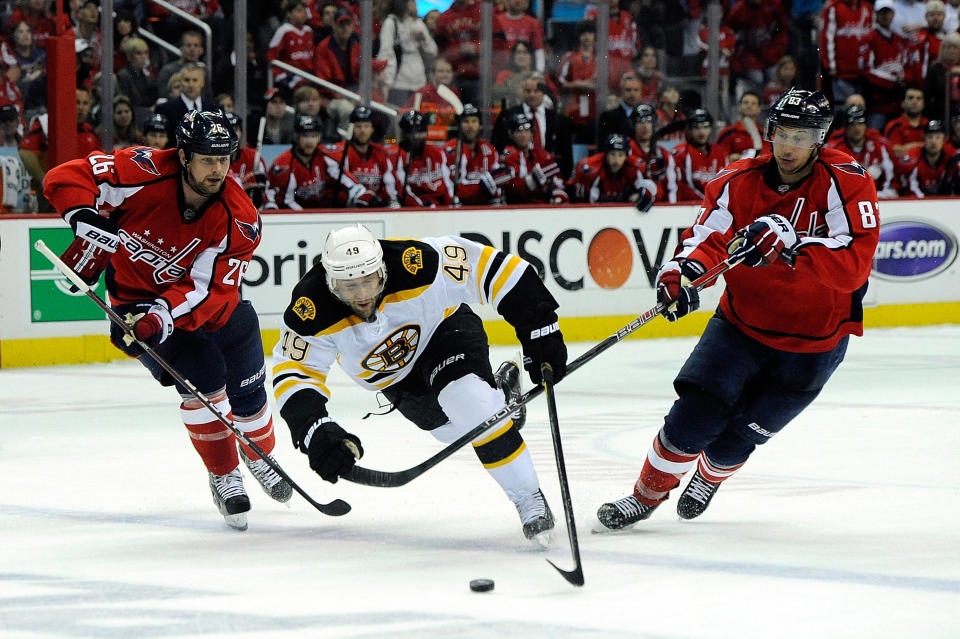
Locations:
{"points": [[234, 119], [155, 123], [616, 142], [307, 124], [854, 114], [698, 117], [413, 122], [935, 126], [801, 109], [207, 133], [642, 112], [469, 111], [518, 121], [361, 114]]}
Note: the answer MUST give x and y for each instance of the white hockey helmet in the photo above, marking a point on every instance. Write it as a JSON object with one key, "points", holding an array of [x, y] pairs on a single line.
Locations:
{"points": [[350, 253]]}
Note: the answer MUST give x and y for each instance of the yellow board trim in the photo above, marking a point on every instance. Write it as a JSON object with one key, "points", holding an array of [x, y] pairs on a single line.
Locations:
{"points": [[86, 349]]}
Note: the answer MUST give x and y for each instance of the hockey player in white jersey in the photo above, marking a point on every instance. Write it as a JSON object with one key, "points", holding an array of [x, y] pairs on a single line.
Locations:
{"points": [[395, 314]]}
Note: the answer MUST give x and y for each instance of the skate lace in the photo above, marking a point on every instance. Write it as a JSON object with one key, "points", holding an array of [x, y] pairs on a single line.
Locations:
{"points": [[630, 506], [699, 489], [229, 485], [267, 476], [531, 507]]}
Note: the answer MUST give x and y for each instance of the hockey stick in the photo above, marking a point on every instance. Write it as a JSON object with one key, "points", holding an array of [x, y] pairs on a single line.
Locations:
{"points": [[347, 137], [335, 508], [447, 94], [260, 132], [574, 576], [388, 479]]}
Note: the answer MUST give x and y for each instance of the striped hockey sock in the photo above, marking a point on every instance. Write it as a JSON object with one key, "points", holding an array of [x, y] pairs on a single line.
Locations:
{"points": [[214, 442], [662, 471]]}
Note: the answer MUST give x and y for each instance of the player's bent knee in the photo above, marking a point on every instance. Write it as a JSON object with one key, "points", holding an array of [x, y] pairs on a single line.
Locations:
{"points": [[467, 401], [249, 403]]}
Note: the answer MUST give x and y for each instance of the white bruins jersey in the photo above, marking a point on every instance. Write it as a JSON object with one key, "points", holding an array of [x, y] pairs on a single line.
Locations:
{"points": [[427, 280]]}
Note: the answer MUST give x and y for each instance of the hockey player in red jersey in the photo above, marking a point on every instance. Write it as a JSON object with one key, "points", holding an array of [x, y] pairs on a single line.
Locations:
{"points": [[806, 222], [474, 163], [421, 169], [935, 172], [305, 177], [609, 176], [536, 175], [869, 148], [653, 159], [697, 160], [175, 236], [247, 169], [370, 163]]}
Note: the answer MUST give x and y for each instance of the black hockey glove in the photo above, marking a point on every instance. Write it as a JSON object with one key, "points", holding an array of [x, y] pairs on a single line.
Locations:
{"points": [[95, 243], [673, 288], [332, 450], [543, 344]]}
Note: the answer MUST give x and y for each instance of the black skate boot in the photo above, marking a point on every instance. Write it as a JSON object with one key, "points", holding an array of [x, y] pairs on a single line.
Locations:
{"points": [[535, 516], [624, 512], [508, 381], [272, 483], [230, 498], [696, 496]]}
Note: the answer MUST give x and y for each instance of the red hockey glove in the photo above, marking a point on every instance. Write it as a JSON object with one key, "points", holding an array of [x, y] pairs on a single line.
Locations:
{"points": [[673, 288], [767, 239], [95, 243]]}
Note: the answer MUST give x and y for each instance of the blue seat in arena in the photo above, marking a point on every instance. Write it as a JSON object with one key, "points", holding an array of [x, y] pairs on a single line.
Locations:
{"points": [[270, 152], [568, 11]]}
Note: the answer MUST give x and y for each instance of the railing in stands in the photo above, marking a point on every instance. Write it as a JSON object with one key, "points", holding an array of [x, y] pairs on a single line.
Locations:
{"points": [[329, 86], [198, 23]]}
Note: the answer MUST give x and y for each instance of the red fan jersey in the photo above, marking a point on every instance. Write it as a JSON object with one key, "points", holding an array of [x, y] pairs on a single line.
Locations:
{"points": [[808, 308], [875, 155], [695, 168], [293, 46], [425, 179], [192, 259], [622, 44], [844, 36], [923, 50], [475, 162], [592, 181], [581, 103], [519, 190], [374, 169], [941, 177], [886, 65], [459, 29], [660, 168], [295, 185], [899, 130]]}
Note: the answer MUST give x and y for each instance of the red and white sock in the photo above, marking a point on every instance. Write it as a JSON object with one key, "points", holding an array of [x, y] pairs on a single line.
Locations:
{"points": [[215, 443], [259, 429], [716, 474], [661, 472]]}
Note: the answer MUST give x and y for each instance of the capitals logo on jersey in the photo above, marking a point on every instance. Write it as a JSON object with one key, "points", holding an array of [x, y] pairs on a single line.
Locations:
{"points": [[852, 168], [249, 231], [142, 158]]}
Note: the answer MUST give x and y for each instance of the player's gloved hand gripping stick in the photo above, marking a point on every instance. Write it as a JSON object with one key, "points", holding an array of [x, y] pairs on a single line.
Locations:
{"points": [[335, 508], [387, 479]]}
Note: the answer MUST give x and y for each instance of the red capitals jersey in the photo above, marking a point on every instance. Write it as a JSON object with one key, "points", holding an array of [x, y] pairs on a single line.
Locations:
{"points": [[295, 185], [517, 191], [660, 168], [695, 168], [941, 177], [592, 181], [843, 38], [483, 158], [293, 46], [899, 131], [514, 29], [738, 139], [459, 29], [374, 169], [808, 308], [581, 104], [623, 44], [194, 260], [875, 155], [243, 170], [425, 179], [886, 64], [924, 48]]}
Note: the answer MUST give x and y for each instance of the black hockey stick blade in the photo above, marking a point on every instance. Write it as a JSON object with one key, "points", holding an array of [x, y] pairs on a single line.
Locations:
{"points": [[574, 576], [393, 479], [335, 508]]}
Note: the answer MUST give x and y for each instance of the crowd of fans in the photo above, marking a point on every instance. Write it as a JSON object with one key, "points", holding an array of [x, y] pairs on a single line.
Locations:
{"points": [[891, 68]]}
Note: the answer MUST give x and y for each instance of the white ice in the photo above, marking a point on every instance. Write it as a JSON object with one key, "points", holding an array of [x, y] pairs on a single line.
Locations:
{"points": [[846, 525]]}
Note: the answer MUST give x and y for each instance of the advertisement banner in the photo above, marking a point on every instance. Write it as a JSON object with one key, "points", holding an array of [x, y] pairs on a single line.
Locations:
{"points": [[50, 296]]}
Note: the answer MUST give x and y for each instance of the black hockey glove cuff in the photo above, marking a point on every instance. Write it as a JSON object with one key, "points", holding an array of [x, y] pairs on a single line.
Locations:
{"points": [[332, 450]]}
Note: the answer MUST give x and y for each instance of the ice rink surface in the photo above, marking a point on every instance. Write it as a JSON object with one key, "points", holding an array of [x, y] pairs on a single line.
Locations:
{"points": [[846, 525]]}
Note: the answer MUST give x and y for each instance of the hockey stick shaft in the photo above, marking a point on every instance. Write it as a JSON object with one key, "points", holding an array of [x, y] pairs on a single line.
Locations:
{"points": [[259, 152], [335, 508], [574, 576], [387, 479]]}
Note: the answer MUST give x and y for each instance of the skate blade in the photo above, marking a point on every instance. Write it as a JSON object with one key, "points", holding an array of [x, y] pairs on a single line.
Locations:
{"points": [[543, 540], [237, 522]]}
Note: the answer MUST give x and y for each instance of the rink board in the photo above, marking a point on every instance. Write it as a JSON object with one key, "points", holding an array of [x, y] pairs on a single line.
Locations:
{"points": [[599, 262]]}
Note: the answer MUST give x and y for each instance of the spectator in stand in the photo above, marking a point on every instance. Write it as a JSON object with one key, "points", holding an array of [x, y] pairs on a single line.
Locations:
{"points": [[280, 120], [909, 17], [422, 172], [87, 29], [934, 173], [191, 50], [308, 101], [742, 138], [508, 88], [951, 20], [34, 13], [225, 102], [784, 78], [698, 161], [474, 164], [174, 88], [761, 30], [621, 40], [292, 43], [869, 148], [925, 43], [430, 19], [942, 84], [551, 130], [11, 126], [155, 131], [905, 132], [577, 77], [669, 114], [847, 25], [645, 66], [323, 23], [31, 63], [194, 78], [458, 37], [246, 168], [536, 175], [887, 56], [125, 131], [609, 176], [652, 159], [617, 119], [515, 25], [369, 162], [727, 41], [337, 60], [136, 79], [441, 73], [404, 42], [168, 26]]}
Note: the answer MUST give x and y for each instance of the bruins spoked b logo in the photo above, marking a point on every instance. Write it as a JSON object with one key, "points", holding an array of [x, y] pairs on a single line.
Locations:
{"points": [[394, 352]]}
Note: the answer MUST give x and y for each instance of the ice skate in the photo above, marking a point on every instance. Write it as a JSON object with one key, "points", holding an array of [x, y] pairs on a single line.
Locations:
{"points": [[536, 517], [508, 381], [230, 498], [624, 512], [272, 483], [696, 496]]}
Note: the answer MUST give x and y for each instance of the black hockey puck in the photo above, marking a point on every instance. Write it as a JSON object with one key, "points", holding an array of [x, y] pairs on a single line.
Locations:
{"points": [[481, 585]]}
